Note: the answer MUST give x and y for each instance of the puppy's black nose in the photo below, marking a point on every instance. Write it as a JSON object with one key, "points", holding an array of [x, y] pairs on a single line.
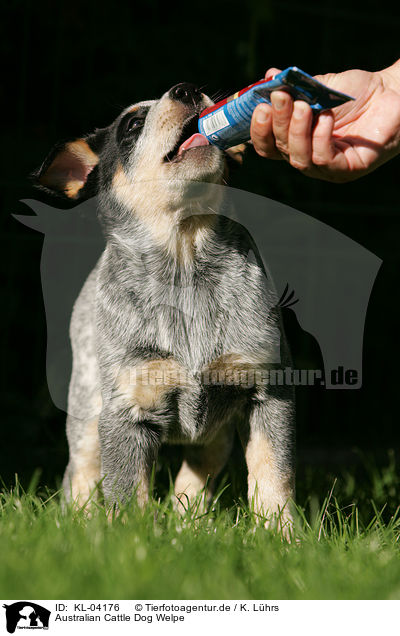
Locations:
{"points": [[186, 93]]}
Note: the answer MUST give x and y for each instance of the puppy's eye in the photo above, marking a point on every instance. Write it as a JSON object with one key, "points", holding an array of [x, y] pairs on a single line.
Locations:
{"points": [[134, 123], [130, 125]]}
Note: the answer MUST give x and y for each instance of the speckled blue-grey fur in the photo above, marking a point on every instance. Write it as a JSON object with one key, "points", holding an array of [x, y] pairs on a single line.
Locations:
{"points": [[194, 295]]}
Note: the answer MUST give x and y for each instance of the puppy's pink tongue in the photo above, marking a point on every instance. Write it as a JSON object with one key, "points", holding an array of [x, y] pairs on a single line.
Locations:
{"points": [[192, 142]]}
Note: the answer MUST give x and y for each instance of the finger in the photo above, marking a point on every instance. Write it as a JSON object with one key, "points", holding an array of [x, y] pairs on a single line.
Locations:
{"points": [[282, 108], [323, 150], [270, 74], [261, 132], [300, 143]]}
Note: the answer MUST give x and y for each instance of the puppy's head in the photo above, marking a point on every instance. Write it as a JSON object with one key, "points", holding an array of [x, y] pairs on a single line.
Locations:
{"points": [[167, 144], [153, 150]]}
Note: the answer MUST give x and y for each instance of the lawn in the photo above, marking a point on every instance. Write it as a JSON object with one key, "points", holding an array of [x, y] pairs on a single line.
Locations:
{"points": [[347, 545]]}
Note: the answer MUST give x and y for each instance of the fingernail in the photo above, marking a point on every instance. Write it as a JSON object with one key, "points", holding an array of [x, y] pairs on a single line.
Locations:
{"points": [[325, 117], [262, 114], [299, 110], [278, 101]]}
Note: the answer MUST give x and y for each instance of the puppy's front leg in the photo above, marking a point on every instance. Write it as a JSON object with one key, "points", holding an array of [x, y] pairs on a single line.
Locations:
{"points": [[128, 452], [202, 463], [268, 440]]}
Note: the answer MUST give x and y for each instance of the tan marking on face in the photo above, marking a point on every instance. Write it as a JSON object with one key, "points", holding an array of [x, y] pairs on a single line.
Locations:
{"points": [[86, 464], [146, 385], [146, 201], [269, 491], [179, 232]]}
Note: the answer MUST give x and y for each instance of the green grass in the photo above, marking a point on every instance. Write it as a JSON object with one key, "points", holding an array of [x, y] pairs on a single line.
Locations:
{"points": [[347, 547]]}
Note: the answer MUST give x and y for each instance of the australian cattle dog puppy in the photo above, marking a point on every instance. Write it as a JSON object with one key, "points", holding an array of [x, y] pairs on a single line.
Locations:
{"points": [[179, 298]]}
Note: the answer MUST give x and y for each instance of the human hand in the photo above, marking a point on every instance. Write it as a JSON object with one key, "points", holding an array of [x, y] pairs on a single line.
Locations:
{"points": [[339, 145]]}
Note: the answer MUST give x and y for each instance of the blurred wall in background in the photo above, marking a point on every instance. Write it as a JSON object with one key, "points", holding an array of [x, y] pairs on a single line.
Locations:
{"points": [[72, 67]]}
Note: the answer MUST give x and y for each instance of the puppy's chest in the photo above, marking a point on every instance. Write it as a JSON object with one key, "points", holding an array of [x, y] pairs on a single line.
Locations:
{"points": [[198, 318], [187, 317]]}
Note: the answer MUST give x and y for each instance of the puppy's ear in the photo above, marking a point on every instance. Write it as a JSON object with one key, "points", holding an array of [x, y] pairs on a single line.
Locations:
{"points": [[70, 168]]}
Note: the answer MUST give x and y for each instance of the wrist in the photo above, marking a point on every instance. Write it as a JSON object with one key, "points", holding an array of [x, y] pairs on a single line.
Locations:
{"points": [[391, 77]]}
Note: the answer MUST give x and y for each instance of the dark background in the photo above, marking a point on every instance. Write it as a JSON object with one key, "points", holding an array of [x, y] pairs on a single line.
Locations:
{"points": [[69, 68]]}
